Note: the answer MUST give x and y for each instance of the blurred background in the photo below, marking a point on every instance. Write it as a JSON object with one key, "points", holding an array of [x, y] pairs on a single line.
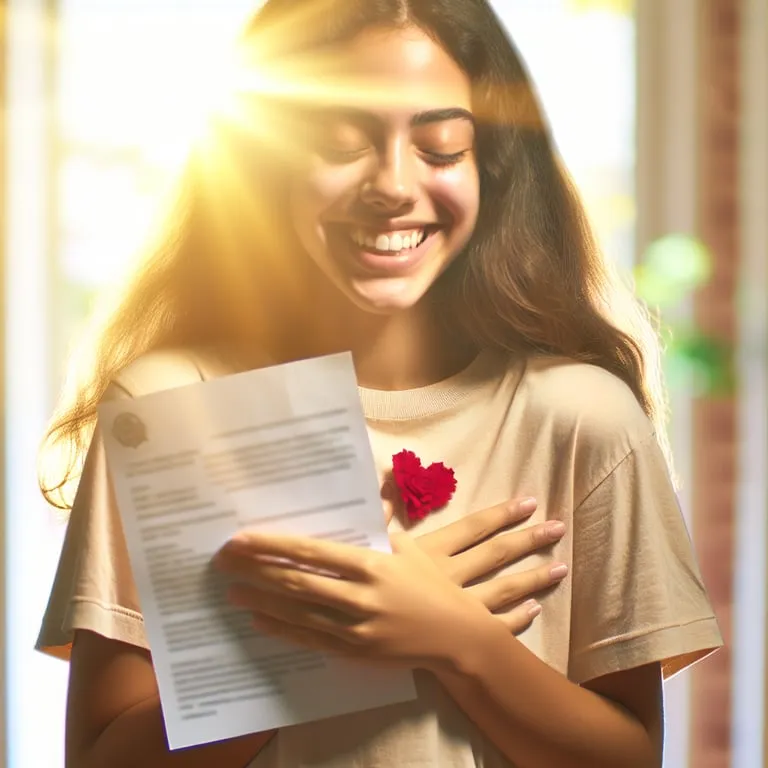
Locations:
{"points": [[660, 109]]}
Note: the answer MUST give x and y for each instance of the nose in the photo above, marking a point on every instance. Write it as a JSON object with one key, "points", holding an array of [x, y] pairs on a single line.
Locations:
{"points": [[391, 186]]}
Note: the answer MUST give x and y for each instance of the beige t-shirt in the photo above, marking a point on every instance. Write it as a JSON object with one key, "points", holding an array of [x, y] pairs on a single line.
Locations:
{"points": [[571, 435]]}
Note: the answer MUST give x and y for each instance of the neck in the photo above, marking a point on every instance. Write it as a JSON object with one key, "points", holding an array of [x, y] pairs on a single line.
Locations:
{"points": [[405, 350]]}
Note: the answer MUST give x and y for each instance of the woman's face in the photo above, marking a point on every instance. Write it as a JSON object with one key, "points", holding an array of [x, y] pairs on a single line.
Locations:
{"points": [[388, 194]]}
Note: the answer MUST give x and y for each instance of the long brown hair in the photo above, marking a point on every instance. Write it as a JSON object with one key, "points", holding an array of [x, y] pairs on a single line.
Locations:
{"points": [[531, 279]]}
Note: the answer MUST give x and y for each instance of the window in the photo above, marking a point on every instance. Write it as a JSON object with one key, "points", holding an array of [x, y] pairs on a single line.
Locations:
{"points": [[581, 54]]}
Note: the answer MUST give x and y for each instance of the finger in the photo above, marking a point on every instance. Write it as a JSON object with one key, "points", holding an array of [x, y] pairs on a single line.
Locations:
{"points": [[292, 582], [318, 641], [297, 613], [519, 618], [496, 594], [476, 527], [495, 553], [343, 559]]}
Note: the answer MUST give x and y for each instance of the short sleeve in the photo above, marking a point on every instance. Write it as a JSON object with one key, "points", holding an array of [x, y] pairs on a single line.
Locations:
{"points": [[638, 596], [93, 588]]}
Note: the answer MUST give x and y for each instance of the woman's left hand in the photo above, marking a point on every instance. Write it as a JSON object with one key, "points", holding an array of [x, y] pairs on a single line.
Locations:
{"points": [[382, 607]]}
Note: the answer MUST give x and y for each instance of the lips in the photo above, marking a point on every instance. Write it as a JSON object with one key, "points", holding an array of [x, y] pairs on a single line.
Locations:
{"points": [[386, 241], [393, 252]]}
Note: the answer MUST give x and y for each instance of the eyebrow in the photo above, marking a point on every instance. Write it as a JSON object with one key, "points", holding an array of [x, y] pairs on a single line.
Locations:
{"points": [[441, 115], [419, 119]]}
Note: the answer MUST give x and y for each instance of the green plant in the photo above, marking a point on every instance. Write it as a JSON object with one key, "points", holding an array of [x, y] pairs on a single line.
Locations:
{"points": [[672, 269]]}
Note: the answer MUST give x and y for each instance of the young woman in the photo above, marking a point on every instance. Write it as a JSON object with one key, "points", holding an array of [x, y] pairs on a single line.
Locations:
{"points": [[394, 192]]}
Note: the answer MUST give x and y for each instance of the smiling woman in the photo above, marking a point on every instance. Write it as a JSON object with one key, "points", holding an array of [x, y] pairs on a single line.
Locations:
{"points": [[389, 187], [404, 171]]}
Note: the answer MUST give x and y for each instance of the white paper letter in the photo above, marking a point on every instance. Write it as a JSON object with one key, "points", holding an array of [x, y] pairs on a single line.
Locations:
{"points": [[282, 449]]}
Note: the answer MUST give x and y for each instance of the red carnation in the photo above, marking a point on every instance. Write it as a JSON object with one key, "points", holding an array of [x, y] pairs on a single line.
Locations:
{"points": [[423, 489]]}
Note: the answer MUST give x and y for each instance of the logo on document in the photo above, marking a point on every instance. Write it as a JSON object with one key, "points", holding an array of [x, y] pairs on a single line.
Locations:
{"points": [[129, 430]]}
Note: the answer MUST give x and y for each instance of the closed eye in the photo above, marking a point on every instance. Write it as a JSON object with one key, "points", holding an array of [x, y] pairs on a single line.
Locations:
{"points": [[440, 159], [342, 156]]}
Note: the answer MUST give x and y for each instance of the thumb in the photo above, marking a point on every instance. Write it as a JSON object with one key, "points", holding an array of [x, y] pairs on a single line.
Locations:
{"points": [[389, 500], [402, 543]]}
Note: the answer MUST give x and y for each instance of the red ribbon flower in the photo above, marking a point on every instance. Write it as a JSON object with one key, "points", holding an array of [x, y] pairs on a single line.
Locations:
{"points": [[423, 489]]}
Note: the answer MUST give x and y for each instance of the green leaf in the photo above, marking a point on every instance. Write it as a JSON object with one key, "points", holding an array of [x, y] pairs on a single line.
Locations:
{"points": [[671, 269], [699, 363]]}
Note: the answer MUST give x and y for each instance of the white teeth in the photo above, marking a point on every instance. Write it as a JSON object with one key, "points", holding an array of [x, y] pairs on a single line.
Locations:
{"points": [[394, 242]]}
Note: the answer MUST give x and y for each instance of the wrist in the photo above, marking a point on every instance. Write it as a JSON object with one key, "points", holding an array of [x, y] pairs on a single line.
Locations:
{"points": [[469, 651]]}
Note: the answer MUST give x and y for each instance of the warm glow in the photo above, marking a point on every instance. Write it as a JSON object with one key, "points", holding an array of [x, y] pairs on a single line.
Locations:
{"points": [[145, 80], [136, 84]]}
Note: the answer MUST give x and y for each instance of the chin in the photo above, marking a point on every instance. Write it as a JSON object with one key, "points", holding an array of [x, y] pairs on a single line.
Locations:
{"points": [[385, 297]]}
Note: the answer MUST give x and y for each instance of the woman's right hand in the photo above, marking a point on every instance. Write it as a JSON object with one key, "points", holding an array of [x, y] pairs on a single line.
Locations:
{"points": [[475, 547]]}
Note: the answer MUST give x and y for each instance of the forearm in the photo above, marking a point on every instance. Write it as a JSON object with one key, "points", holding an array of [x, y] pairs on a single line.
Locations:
{"points": [[138, 737], [538, 718]]}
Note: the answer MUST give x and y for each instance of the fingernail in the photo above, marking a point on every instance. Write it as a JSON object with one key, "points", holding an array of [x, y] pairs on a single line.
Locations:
{"points": [[559, 572], [534, 608], [555, 528], [527, 506]]}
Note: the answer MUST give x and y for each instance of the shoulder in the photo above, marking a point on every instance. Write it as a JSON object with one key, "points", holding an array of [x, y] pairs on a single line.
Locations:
{"points": [[156, 371], [587, 417], [171, 368], [581, 393]]}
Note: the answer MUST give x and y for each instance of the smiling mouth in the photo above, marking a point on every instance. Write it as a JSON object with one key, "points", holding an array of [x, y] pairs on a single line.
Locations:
{"points": [[389, 243]]}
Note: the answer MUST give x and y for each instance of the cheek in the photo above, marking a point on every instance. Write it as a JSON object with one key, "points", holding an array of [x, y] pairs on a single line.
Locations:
{"points": [[319, 192], [457, 192]]}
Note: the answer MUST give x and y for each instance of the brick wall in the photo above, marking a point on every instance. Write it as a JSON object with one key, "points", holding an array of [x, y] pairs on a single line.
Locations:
{"points": [[715, 420]]}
